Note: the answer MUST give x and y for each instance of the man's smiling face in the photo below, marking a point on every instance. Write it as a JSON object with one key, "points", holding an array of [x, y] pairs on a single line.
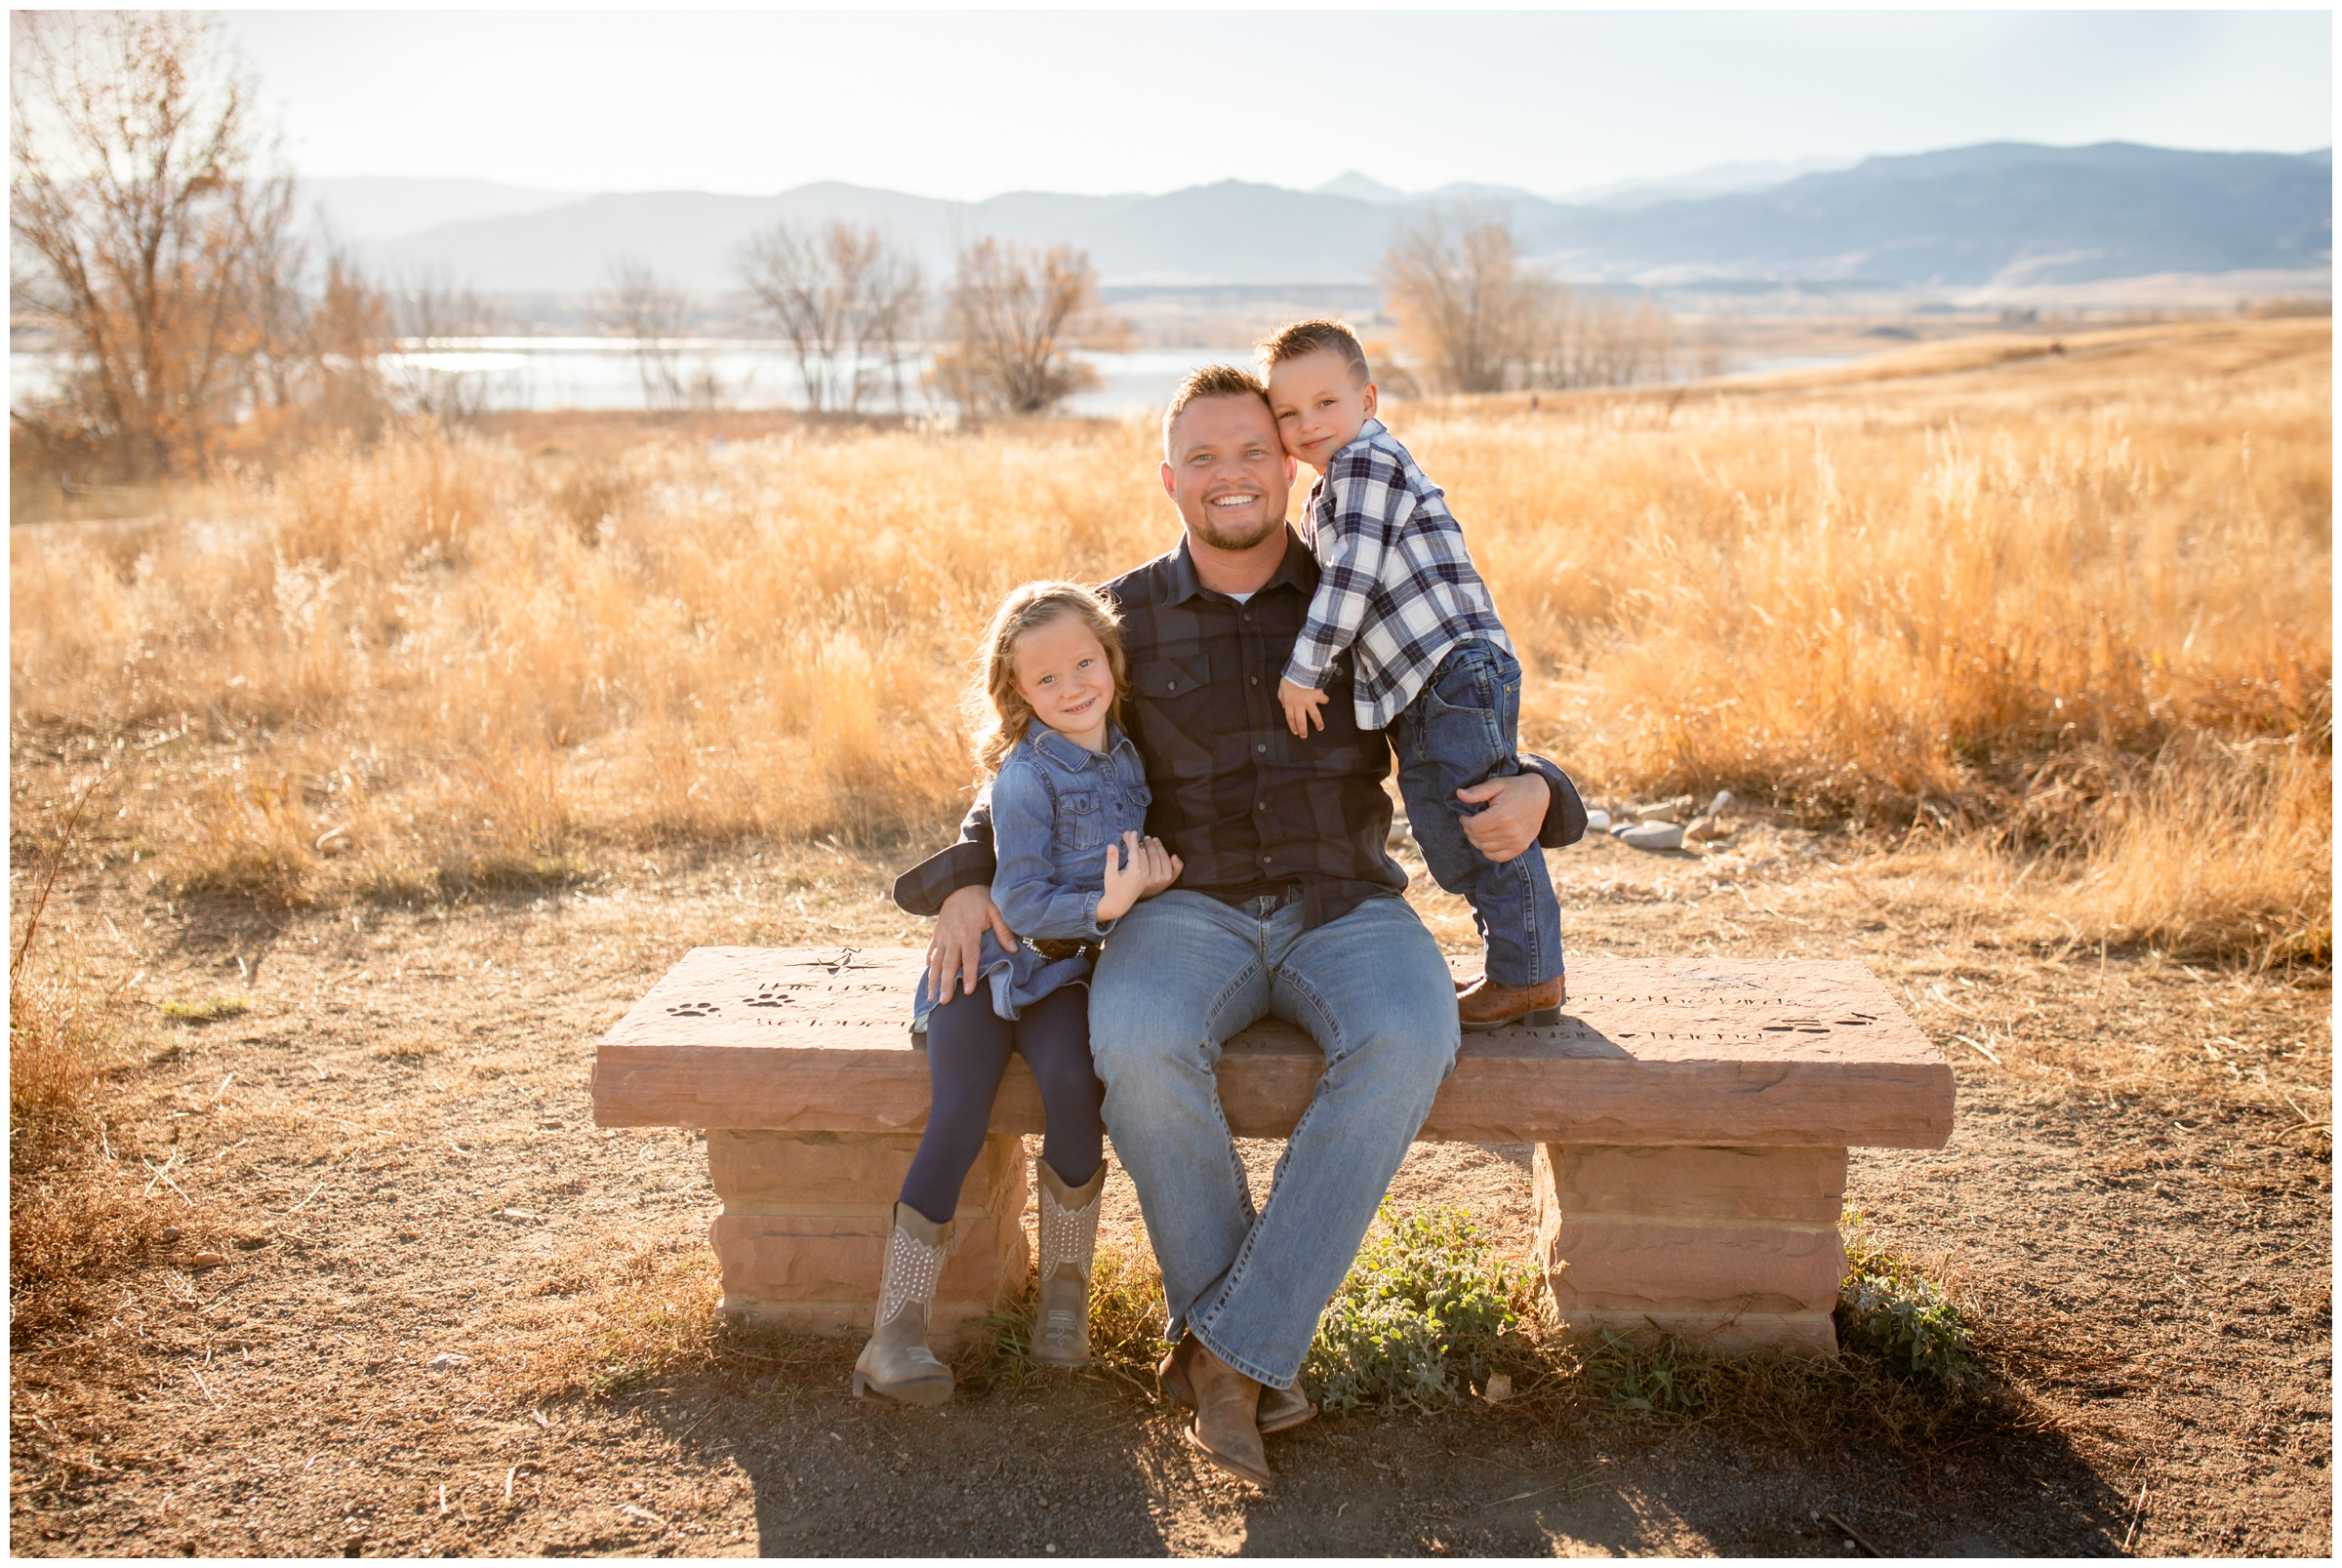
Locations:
{"points": [[1227, 472]]}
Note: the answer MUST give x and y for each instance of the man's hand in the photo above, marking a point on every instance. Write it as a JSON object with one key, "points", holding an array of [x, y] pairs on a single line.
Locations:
{"points": [[1301, 706], [1515, 815], [957, 946]]}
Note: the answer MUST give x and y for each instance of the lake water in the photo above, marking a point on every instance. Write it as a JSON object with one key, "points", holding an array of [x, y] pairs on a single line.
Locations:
{"points": [[594, 373]]}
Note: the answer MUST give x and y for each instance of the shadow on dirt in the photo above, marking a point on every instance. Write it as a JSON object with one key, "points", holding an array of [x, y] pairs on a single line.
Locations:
{"points": [[1080, 1466]]}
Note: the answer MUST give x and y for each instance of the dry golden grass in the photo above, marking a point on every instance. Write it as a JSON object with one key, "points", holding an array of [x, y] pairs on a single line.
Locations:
{"points": [[73, 1212], [2208, 849], [1968, 594]]}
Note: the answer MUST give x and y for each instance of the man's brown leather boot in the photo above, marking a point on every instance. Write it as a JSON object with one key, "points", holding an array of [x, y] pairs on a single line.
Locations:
{"points": [[1227, 1429], [1486, 1005], [1279, 1409]]}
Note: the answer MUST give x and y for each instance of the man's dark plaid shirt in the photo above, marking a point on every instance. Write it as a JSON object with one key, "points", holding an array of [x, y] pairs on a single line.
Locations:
{"points": [[1248, 807]]}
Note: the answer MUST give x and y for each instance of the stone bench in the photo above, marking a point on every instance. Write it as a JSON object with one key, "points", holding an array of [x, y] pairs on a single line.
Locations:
{"points": [[1690, 1119]]}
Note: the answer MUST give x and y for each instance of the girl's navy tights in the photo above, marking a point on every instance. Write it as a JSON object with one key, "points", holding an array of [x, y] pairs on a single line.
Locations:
{"points": [[967, 1050]]}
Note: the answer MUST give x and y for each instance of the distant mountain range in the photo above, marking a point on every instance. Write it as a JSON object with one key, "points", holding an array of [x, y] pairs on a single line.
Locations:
{"points": [[366, 209], [1997, 213]]}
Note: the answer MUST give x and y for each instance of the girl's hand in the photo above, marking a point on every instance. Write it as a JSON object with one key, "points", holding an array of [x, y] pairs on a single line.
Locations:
{"points": [[1301, 706], [1126, 882], [1162, 868]]}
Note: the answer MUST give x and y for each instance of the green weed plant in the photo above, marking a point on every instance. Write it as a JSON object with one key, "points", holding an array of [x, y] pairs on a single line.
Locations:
{"points": [[1885, 1304], [1666, 1377], [1419, 1314]]}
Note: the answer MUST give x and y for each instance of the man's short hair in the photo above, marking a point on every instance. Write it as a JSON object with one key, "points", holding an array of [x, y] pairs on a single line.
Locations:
{"points": [[1312, 338], [1212, 381]]}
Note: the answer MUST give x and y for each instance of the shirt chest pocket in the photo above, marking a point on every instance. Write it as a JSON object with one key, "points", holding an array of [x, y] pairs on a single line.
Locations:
{"points": [[1175, 714], [1168, 680], [1081, 820], [1132, 810]]}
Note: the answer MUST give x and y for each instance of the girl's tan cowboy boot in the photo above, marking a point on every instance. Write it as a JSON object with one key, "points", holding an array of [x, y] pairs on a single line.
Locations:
{"points": [[1061, 1329], [897, 1363]]}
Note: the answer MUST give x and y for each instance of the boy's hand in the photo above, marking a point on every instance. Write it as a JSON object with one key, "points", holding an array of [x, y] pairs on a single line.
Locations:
{"points": [[1125, 882], [1301, 706], [1162, 868]]}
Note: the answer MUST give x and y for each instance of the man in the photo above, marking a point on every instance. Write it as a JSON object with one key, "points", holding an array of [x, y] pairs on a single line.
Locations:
{"points": [[1290, 904]]}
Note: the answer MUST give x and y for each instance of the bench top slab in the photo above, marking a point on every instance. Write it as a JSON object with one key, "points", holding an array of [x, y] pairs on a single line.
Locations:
{"points": [[1650, 1050]]}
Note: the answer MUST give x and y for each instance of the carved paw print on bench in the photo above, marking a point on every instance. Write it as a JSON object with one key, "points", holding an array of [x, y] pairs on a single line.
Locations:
{"points": [[694, 1009], [772, 994]]}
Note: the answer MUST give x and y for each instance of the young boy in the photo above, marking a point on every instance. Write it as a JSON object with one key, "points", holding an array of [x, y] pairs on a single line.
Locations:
{"points": [[1432, 663]]}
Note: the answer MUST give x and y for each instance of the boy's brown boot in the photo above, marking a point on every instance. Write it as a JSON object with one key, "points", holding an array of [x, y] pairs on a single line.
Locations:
{"points": [[1061, 1327], [897, 1363], [1486, 1005]]}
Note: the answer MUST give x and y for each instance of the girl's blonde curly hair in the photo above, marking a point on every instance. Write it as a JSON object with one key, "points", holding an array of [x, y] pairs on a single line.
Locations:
{"points": [[997, 711]]}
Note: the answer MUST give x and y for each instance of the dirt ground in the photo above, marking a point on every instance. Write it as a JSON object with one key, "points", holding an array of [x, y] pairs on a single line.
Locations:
{"points": [[423, 1235]]}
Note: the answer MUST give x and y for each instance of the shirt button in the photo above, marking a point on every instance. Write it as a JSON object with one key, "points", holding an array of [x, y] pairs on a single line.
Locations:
{"points": [[1256, 680], [1264, 860], [1260, 806], [1262, 747]]}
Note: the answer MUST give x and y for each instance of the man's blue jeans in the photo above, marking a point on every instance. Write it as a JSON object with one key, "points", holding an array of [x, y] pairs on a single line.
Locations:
{"points": [[1180, 975], [1464, 729]]}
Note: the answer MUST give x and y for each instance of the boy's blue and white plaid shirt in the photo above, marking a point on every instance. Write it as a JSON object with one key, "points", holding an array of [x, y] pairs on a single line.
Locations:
{"points": [[1397, 583]]}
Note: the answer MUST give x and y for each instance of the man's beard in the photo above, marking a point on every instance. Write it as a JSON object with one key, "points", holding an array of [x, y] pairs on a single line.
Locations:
{"points": [[1232, 539]]}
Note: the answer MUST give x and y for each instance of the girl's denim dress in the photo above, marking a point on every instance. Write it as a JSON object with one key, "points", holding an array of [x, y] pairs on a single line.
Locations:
{"points": [[1055, 809]]}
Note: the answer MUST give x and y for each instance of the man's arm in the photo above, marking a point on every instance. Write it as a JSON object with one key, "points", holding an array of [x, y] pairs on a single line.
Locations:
{"points": [[1564, 811], [968, 863], [1369, 500]]}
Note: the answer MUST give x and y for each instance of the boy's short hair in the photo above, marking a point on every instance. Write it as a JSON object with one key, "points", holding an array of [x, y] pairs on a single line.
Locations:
{"points": [[1211, 381], [1311, 337]]}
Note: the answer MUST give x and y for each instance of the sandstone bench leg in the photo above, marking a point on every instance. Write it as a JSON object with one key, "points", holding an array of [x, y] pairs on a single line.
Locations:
{"points": [[801, 1232], [1735, 1248]]}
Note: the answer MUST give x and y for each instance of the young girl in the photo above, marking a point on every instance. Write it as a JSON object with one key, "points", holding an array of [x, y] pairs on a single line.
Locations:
{"points": [[1069, 799]]}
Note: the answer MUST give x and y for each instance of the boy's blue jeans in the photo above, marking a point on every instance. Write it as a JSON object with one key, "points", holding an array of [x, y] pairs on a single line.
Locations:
{"points": [[1463, 729], [1181, 974]]}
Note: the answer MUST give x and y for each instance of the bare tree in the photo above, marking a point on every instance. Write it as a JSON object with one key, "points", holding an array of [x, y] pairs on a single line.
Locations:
{"points": [[348, 331], [1712, 350], [1014, 313], [436, 322], [640, 307], [150, 224], [1480, 318], [848, 302], [1467, 305], [1593, 340]]}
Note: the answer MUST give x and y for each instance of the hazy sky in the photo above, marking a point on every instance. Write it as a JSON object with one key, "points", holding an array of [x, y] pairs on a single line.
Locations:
{"points": [[968, 104]]}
